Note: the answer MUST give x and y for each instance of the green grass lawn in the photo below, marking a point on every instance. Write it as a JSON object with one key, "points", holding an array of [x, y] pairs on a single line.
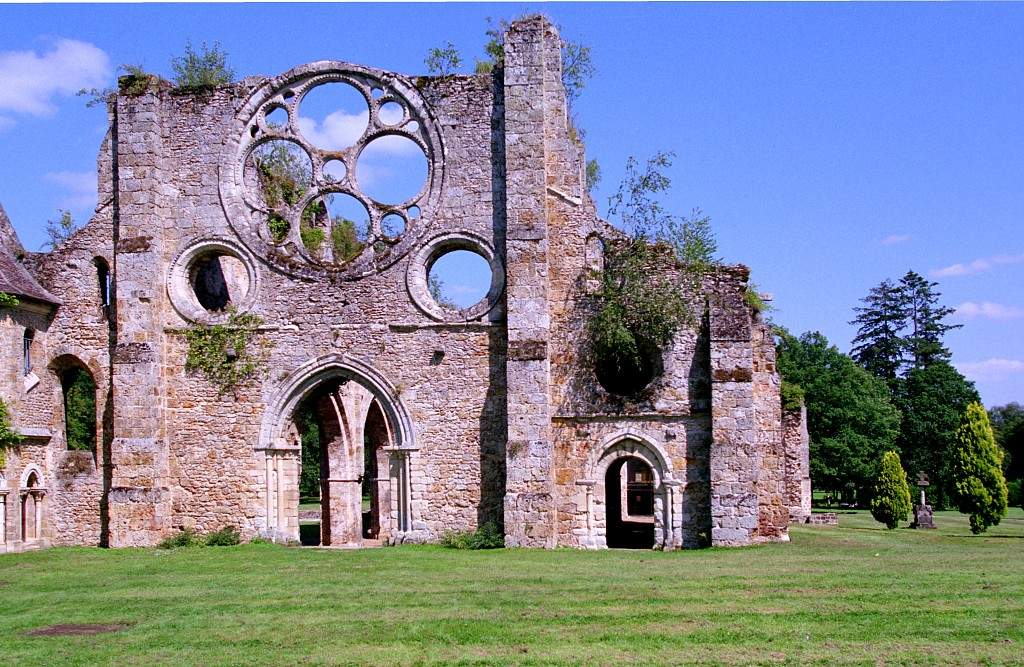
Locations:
{"points": [[852, 594]]}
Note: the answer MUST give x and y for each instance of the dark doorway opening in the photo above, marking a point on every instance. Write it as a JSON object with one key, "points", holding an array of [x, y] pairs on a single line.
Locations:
{"points": [[629, 497]]}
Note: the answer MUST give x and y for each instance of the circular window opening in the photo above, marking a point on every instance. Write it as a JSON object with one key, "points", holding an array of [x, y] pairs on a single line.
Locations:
{"points": [[218, 280], [278, 172], [392, 169], [459, 279], [332, 116], [391, 113], [277, 118], [624, 366]]}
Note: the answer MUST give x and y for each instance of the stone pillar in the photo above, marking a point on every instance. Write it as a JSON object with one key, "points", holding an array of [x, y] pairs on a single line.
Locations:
{"points": [[139, 499], [532, 56], [798, 472], [735, 457]]}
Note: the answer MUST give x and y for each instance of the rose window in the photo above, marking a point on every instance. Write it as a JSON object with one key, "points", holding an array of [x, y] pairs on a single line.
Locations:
{"points": [[335, 169]]}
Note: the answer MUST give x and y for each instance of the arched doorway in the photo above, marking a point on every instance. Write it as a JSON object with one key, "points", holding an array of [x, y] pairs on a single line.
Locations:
{"points": [[629, 497], [337, 445]]}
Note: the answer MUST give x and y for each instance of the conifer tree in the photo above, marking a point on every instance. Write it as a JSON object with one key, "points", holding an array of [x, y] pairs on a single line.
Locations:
{"points": [[979, 488], [891, 502], [924, 317], [879, 346]]}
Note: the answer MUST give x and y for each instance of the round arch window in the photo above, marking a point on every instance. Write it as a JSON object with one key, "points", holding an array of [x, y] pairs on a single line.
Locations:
{"points": [[210, 279]]}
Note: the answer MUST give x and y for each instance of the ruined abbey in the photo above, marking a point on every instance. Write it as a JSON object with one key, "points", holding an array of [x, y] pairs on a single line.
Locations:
{"points": [[433, 417]]}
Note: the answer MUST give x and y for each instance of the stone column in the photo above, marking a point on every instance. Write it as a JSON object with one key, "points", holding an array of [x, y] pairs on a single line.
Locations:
{"points": [[531, 54], [3, 520], [139, 499], [735, 458], [798, 474]]}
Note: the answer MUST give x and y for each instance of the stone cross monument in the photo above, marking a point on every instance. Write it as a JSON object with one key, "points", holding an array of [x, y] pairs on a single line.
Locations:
{"points": [[922, 511]]}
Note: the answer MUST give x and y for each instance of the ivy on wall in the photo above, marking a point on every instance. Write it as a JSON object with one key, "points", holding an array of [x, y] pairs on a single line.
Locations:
{"points": [[227, 354], [8, 300], [8, 436]]}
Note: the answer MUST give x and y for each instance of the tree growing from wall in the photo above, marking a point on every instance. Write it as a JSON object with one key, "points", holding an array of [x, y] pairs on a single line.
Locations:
{"points": [[60, 230], [979, 488], [890, 502], [641, 305]]}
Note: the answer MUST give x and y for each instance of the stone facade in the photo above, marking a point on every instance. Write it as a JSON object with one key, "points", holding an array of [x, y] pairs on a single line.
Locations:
{"points": [[456, 417]]}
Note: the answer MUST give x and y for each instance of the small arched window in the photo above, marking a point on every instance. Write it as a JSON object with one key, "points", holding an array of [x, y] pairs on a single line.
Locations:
{"points": [[26, 351], [103, 277]]}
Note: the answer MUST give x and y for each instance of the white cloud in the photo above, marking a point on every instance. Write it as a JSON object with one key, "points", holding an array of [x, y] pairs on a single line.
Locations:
{"points": [[991, 369], [341, 129], [79, 187], [893, 239], [29, 81], [987, 309], [977, 266]]}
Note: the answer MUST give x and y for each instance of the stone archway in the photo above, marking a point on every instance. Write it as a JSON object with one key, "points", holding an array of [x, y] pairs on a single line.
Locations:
{"points": [[353, 402], [652, 519]]}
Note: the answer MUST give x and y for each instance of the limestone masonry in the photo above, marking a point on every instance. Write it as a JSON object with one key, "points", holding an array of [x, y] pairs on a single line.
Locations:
{"points": [[433, 418]]}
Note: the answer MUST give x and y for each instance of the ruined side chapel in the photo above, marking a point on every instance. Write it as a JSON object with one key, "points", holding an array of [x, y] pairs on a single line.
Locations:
{"points": [[431, 417]]}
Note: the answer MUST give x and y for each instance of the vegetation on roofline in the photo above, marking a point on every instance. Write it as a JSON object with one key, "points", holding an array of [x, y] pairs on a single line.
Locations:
{"points": [[202, 70], [8, 300]]}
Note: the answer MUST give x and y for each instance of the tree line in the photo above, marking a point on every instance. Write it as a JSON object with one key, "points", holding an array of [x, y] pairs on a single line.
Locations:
{"points": [[898, 392]]}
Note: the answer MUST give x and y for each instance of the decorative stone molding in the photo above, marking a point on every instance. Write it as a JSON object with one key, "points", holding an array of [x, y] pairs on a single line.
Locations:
{"points": [[179, 279], [416, 277], [248, 215]]}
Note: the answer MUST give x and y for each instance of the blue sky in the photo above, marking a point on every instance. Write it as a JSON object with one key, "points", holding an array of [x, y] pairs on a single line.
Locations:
{"points": [[833, 145]]}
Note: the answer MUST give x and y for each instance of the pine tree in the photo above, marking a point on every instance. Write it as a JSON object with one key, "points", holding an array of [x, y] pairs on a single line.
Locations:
{"points": [[891, 501], [878, 346], [979, 488], [924, 318]]}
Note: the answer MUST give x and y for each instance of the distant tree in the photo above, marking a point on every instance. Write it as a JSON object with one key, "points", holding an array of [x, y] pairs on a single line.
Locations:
{"points": [[345, 239], [931, 400], [1008, 426], [80, 410], [60, 230], [851, 420], [443, 61], [891, 503], [309, 434], [879, 346], [979, 488], [201, 70], [925, 317]]}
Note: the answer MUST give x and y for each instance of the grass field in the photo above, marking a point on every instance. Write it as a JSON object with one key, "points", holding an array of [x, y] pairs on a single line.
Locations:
{"points": [[852, 594]]}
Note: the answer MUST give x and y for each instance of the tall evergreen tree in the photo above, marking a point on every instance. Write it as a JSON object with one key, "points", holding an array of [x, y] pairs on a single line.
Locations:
{"points": [[979, 488], [924, 319], [879, 346], [891, 501]]}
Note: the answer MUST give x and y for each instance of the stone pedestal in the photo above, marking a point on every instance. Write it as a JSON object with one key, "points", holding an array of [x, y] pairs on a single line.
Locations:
{"points": [[922, 517]]}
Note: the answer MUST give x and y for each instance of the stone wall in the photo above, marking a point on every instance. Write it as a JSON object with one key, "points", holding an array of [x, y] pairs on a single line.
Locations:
{"points": [[492, 413]]}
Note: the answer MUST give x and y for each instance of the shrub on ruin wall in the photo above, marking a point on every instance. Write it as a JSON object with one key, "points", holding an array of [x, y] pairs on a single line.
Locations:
{"points": [[227, 354], [8, 300], [891, 501]]}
